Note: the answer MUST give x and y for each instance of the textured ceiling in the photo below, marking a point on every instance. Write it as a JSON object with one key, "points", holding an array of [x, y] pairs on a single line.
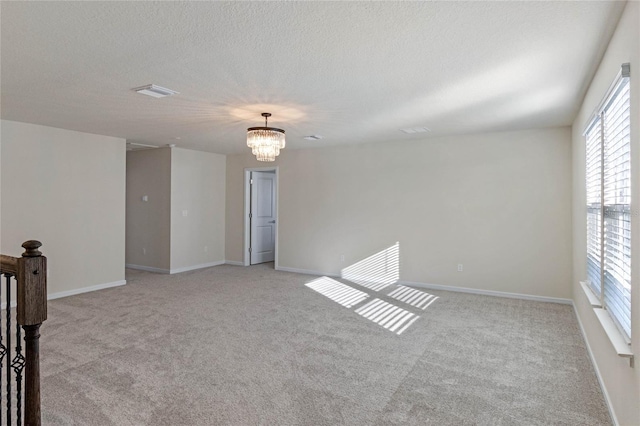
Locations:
{"points": [[352, 72]]}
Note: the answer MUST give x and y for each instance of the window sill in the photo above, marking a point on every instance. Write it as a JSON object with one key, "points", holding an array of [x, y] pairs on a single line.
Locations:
{"points": [[616, 338], [619, 343], [593, 299]]}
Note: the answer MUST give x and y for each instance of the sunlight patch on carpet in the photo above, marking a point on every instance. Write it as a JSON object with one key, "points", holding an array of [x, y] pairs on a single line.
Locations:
{"points": [[338, 292], [413, 297], [389, 316]]}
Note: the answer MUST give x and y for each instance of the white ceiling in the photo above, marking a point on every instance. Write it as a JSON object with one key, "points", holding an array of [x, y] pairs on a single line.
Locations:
{"points": [[352, 72]]}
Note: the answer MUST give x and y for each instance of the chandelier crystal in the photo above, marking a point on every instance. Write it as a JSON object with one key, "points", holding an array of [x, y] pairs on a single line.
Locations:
{"points": [[265, 142]]}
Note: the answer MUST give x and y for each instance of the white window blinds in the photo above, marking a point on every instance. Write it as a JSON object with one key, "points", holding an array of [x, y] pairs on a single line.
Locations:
{"points": [[608, 184], [594, 206]]}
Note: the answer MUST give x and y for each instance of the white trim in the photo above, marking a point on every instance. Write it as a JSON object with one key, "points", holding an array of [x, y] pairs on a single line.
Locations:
{"points": [[194, 267], [607, 398], [305, 271], [247, 207], [67, 293], [246, 233], [4, 305], [446, 288], [233, 262], [176, 270], [623, 73], [61, 294], [489, 292], [615, 336], [147, 268], [593, 299]]}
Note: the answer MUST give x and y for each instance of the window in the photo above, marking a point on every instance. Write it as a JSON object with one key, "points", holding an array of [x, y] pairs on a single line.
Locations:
{"points": [[608, 184]]}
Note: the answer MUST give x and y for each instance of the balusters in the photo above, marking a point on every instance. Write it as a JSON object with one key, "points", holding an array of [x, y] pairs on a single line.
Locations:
{"points": [[3, 348], [18, 365], [15, 365], [8, 348], [30, 273]]}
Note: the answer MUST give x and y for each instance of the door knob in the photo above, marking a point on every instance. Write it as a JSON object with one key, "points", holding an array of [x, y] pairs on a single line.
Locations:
{"points": [[272, 221]]}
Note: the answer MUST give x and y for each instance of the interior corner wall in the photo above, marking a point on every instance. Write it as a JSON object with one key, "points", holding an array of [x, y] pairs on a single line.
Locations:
{"points": [[148, 225], [498, 203], [197, 209], [621, 383], [67, 190]]}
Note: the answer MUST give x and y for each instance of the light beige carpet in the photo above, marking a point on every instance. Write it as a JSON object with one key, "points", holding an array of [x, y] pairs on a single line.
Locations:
{"points": [[252, 346]]}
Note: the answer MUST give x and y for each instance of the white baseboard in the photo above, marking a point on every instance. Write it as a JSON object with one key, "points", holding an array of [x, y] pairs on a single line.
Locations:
{"points": [[488, 292], [305, 271], [4, 305], [175, 270], [233, 262], [146, 268], [597, 370], [67, 293], [446, 288], [194, 267], [61, 294]]}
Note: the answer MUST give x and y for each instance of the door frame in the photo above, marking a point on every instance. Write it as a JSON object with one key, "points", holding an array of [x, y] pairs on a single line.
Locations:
{"points": [[246, 260]]}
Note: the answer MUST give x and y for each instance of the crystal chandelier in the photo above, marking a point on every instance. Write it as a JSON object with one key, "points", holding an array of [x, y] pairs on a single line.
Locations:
{"points": [[265, 142]]}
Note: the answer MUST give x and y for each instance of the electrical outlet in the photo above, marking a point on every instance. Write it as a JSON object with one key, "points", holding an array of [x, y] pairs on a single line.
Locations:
{"points": [[185, 213], [206, 249], [459, 267], [144, 251], [342, 258]]}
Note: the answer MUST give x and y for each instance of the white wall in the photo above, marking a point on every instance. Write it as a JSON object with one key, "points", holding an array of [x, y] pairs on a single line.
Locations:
{"points": [[197, 187], [177, 182], [498, 203], [67, 190], [622, 383], [148, 232]]}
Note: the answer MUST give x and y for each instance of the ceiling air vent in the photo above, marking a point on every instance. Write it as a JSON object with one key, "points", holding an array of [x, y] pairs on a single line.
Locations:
{"points": [[155, 91], [413, 130]]}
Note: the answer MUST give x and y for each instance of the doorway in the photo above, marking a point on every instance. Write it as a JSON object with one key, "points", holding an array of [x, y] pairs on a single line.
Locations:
{"points": [[260, 215]]}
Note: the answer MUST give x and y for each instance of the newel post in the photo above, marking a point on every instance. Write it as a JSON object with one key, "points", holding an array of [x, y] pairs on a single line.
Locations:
{"points": [[32, 311]]}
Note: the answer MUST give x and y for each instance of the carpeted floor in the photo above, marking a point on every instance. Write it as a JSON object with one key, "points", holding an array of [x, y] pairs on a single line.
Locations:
{"points": [[253, 346]]}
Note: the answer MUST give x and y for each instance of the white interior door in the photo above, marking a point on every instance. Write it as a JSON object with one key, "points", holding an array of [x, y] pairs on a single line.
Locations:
{"points": [[263, 217]]}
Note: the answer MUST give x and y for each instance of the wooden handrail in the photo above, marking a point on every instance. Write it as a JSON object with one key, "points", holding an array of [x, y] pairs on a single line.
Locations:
{"points": [[8, 265]]}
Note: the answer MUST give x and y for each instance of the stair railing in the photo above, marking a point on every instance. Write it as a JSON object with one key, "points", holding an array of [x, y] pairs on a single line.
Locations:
{"points": [[30, 275]]}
